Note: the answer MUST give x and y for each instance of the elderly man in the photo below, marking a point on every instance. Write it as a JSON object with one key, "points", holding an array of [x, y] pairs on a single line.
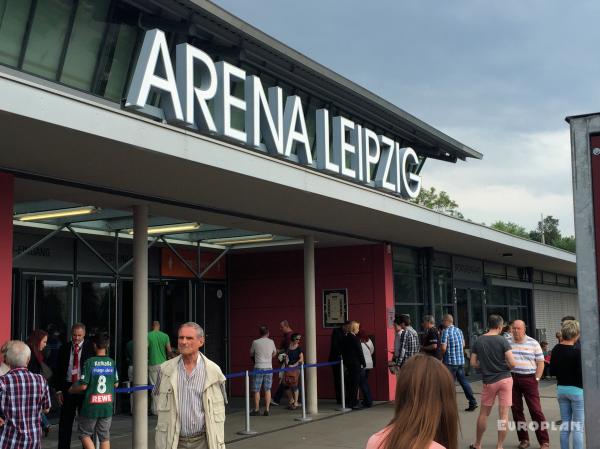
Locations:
{"points": [[190, 397], [528, 371], [23, 397]]}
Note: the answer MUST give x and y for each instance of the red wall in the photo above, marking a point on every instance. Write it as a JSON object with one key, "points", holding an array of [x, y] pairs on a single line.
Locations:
{"points": [[266, 288], [6, 242]]}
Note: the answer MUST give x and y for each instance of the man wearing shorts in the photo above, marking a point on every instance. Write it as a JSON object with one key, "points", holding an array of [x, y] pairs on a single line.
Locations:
{"points": [[98, 380], [262, 351], [492, 354]]}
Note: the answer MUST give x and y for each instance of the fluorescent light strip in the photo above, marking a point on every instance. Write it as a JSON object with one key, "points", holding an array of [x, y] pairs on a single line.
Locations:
{"points": [[243, 239], [170, 229], [58, 213]]}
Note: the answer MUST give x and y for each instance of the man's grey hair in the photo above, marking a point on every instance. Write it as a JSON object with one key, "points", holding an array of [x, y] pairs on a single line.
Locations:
{"points": [[17, 354], [199, 330], [448, 317], [428, 319]]}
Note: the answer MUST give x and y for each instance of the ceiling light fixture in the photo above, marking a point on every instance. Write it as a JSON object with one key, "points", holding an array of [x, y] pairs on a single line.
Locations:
{"points": [[170, 229], [57, 213], [242, 239]]}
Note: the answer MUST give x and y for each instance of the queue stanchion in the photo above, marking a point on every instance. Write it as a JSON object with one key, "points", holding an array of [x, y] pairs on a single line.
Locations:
{"points": [[304, 417], [247, 430], [343, 389]]}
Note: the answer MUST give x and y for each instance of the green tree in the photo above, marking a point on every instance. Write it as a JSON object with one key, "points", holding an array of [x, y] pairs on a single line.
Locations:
{"points": [[511, 228], [439, 202], [566, 243], [549, 227]]}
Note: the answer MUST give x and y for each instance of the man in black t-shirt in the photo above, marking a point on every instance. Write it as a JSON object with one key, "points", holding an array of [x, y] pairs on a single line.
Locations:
{"points": [[430, 344]]}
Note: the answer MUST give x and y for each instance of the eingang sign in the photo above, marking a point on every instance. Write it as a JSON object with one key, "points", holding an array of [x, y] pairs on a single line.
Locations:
{"points": [[342, 146]]}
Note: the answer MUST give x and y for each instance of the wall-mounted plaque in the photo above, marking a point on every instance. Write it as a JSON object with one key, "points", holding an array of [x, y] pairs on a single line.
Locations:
{"points": [[335, 307]]}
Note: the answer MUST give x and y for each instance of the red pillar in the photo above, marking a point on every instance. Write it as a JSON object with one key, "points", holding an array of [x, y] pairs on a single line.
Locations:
{"points": [[6, 253], [384, 310]]}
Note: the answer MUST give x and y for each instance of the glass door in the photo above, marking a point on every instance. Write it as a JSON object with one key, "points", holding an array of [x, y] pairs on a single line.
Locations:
{"points": [[98, 308], [469, 313], [48, 305], [215, 323]]}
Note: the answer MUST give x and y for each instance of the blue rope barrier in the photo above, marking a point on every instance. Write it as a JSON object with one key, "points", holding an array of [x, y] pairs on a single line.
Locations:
{"points": [[132, 389], [238, 374]]}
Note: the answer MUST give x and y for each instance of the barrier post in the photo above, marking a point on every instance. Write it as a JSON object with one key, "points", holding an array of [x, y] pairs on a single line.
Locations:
{"points": [[247, 430], [303, 418], [343, 388]]}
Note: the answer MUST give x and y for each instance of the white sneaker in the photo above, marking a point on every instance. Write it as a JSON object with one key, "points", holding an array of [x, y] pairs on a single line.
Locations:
{"points": [[273, 402]]}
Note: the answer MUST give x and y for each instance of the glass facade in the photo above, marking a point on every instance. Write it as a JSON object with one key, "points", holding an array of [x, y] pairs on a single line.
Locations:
{"points": [[470, 302], [88, 45], [408, 284]]}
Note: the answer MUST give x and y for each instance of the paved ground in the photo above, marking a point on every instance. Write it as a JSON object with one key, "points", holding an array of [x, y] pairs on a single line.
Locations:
{"points": [[331, 429]]}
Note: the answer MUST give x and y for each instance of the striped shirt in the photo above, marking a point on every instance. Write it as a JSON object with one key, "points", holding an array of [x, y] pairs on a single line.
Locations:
{"points": [[190, 388], [23, 396], [526, 354], [453, 338]]}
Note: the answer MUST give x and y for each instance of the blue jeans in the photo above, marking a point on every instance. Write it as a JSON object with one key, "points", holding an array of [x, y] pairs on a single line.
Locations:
{"points": [[458, 373], [571, 413]]}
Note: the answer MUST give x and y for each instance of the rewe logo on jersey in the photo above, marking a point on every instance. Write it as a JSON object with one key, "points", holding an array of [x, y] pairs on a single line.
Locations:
{"points": [[100, 398]]}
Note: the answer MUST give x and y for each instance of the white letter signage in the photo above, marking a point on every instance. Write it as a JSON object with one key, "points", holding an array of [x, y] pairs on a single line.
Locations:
{"points": [[221, 98]]}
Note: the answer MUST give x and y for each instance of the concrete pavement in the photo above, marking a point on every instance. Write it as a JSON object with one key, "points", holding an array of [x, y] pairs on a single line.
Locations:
{"points": [[332, 429]]}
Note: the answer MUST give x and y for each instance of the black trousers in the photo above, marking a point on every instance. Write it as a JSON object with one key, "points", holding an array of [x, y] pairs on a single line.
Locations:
{"points": [[71, 403], [352, 385], [337, 383]]}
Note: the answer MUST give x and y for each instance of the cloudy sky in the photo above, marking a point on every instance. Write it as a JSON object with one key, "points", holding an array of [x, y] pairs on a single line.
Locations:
{"points": [[498, 76]]}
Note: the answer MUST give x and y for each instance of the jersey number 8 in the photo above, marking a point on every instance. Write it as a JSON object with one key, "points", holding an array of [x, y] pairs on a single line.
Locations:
{"points": [[101, 384]]}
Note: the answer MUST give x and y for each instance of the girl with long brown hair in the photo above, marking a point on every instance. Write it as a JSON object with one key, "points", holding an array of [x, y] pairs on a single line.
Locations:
{"points": [[426, 414]]}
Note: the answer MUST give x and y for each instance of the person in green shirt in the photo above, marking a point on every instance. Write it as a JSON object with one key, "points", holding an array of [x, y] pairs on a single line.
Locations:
{"points": [[98, 380], [159, 350]]}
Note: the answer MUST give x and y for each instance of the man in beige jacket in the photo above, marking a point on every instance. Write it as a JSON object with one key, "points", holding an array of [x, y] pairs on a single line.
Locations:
{"points": [[190, 397]]}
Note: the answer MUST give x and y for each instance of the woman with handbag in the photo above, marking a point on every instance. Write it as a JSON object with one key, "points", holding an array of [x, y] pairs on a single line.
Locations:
{"points": [[293, 357], [37, 343]]}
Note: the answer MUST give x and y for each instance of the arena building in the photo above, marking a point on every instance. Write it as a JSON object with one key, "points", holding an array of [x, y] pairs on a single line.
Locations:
{"points": [[251, 183]]}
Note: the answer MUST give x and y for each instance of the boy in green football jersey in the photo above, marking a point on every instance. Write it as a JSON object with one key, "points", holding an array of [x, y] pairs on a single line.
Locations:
{"points": [[98, 380]]}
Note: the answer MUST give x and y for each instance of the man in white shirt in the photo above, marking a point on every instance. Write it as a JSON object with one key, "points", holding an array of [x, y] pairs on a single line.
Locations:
{"points": [[262, 351]]}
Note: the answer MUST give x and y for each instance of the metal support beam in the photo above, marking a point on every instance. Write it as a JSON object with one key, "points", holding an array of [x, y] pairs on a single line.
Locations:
{"points": [[39, 243], [213, 263], [310, 324], [91, 248], [130, 261], [181, 259], [140, 326]]}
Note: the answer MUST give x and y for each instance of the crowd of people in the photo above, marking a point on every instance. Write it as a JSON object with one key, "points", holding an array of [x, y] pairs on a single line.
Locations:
{"points": [[511, 364], [426, 365], [83, 380]]}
